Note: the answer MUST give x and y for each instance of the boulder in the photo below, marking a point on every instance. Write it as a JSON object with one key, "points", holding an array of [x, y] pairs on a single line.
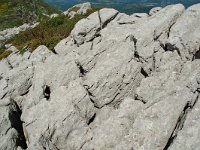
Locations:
{"points": [[86, 29], [112, 74], [184, 36], [79, 9]]}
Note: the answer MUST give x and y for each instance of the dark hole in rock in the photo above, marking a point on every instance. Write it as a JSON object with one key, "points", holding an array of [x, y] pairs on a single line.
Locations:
{"points": [[81, 69], [197, 55], [91, 119], [54, 51], [143, 72], [47, 92]]}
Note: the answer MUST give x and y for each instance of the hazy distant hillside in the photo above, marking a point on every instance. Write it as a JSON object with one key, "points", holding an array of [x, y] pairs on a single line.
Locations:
{"points": [[16, 12], [127, 6]]}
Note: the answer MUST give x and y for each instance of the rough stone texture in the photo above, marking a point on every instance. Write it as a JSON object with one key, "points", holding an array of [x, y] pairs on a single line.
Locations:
{"points": [[154, 10], [184, 35], [82, 9], [86, 29], [118, 82]]}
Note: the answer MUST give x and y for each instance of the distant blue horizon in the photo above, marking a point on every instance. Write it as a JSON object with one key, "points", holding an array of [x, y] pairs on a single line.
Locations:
{"points": [[125, 6]]}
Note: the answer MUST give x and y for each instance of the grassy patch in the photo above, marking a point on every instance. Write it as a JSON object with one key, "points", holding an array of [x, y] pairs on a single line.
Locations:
{"points": [[48, 32], [5, 54], [16, 12]]}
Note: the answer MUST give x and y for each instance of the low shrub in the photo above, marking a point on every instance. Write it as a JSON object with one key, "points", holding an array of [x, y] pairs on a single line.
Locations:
{"points": [[48, 32]]}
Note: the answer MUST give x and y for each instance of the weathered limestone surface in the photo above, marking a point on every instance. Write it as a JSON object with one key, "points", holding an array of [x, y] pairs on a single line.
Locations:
{"points": [[118, 82]]}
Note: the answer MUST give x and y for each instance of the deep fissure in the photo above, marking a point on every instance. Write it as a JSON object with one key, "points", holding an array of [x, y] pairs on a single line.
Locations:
{"points": [[144, 73], [16, 123], [180, 122], [196, 55], [92, 119]]}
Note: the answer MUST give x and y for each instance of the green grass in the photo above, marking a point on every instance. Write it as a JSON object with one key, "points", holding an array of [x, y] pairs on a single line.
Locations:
{"points": [[5, 54], [16, 12], [48, 32]]}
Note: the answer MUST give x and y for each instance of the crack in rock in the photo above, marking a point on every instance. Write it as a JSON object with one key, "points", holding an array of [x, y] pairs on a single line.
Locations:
{"points": [[180, 122], [16, 123]]}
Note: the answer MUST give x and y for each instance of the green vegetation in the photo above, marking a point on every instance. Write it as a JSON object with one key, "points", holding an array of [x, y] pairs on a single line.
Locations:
{"points": [[16, 12], [48, 32], [4, 54]]}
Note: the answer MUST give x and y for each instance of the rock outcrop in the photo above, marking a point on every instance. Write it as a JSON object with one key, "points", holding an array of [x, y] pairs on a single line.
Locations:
{"points": [[79, 9], [117, 82]]}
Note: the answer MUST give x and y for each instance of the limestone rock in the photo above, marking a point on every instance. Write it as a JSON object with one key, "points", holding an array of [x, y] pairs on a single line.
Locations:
{"points": [[184, 34], [53, 15], [154, 10], [118, 82], [86, 29], [80, 9]]}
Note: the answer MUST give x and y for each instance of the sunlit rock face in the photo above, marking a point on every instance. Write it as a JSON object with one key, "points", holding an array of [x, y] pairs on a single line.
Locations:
{"points": [[118, 82]]}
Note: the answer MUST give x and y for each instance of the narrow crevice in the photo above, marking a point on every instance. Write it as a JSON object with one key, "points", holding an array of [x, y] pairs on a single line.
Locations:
{"points": [[180, 122], [9, 64], [4, 95], [136, 97], [196, 55], [144, 73], [124, 23], [26, 92], [54, 51], [91, 119], [169, 30], [90, 96], [47, 92], [100, 22], [154, 62], [17, 124], [46, 143], [103, 25], [135, 42], [109, 20], [81, 69], [170, 47]]}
